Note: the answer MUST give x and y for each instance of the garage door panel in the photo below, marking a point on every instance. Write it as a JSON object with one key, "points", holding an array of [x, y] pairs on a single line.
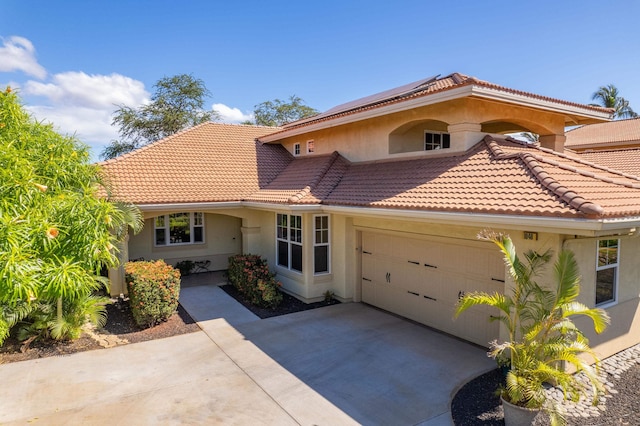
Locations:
{"points": [[422, 280], [368, 291]]}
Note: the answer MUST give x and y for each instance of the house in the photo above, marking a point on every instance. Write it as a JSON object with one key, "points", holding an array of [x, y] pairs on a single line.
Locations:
{"points": [[380, 200], [615, 144]]}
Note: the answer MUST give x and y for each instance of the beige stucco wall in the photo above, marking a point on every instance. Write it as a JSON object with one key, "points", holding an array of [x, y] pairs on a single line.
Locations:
{"points": [[369, 139], [222, 239], [625, 315]]}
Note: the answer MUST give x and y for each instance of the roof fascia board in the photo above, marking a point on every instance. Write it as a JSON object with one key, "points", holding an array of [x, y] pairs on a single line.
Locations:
{"points": [[548, 105], [447, 95], [583, 227], [189, 206], [299, 208]]}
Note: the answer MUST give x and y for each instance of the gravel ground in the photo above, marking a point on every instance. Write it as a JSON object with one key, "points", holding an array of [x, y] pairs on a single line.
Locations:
{"points": [[476, 404]]}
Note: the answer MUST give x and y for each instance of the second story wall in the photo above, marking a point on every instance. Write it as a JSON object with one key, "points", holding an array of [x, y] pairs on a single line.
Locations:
{"points": [[401, 134]]}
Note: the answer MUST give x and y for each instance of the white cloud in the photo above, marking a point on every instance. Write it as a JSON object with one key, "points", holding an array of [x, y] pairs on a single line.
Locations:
{"points": [[91, 91], [18, 54], [89, 125], [82, 104], [231, 115]]}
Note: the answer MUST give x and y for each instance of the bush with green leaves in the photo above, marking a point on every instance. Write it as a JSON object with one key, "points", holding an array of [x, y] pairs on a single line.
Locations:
{"points": [[250, 274], [154, 289], [58, 228], [185, 267]]}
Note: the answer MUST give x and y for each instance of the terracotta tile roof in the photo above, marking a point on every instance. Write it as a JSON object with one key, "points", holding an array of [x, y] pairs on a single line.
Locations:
{"points": [[497, 176], [434, 86], [219, 162], [307, 180], [620, 132], [624, 160], [211, 162]]}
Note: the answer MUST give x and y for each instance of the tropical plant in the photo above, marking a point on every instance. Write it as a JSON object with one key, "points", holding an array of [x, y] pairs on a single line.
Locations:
{"points": [[542, 338], [609, 97], [57, 229], [178, 103]]}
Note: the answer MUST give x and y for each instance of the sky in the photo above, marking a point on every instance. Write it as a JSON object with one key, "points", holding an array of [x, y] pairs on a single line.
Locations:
{"points": [[74, 62]]}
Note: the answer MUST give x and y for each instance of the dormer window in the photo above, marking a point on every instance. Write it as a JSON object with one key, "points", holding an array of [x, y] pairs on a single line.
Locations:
{"points": [[436, 140], [296, 149], [310, 147]]}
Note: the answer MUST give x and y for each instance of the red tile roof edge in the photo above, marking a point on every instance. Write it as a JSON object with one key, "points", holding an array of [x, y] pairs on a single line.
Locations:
{"points": [[460, 80], [573, 199], [307, 189], [173, 136]]}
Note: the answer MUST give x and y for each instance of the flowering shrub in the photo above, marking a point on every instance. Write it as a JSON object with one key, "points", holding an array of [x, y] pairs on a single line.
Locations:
{"points": [[250, 274], [154, 288]]}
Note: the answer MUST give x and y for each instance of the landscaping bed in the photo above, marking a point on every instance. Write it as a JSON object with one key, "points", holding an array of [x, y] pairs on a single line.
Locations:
{"points": [[288, 305], [476, 405], [120, 329]]}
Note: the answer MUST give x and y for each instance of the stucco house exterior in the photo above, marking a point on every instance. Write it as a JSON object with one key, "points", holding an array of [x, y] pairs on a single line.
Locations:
{"points": [[380, 200]]}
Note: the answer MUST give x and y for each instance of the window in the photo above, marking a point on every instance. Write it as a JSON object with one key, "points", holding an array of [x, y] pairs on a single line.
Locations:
{"points": [[321, 244], [289, 241], [607, 271], [434, 141], [179, 228], [311, 148], [296, 149]]}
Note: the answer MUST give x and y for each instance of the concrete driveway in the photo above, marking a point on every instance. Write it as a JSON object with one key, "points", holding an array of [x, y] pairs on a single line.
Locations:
{"points": [[342, 364]]}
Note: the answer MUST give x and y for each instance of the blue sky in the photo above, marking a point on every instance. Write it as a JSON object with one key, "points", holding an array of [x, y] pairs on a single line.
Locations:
{"points": [[73, 61]]}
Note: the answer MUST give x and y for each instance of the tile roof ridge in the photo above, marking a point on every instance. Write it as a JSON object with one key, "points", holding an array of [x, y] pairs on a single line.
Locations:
{"points": [[317, 179], [590, 164], [532, 162]]}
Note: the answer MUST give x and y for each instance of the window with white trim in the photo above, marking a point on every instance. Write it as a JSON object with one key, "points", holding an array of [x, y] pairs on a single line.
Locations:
{"points": [[296, 149], [321, 244], [607, 271], [436, 140], [311, 147], [289, 241], [179, 229]]}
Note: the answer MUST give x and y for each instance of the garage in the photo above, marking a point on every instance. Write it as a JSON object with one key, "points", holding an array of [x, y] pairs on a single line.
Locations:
{"points": [[422, 279]]}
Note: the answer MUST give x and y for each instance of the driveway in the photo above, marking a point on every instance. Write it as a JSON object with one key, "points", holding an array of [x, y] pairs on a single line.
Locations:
{"points": [[342, 364]]}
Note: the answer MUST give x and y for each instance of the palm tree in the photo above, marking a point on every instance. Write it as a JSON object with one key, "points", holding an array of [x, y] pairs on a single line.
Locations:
{"points": [[542, 336], [609, 97]]}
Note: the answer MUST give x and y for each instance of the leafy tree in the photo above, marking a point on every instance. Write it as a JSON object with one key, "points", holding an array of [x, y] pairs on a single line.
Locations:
{"points": [[278, 112], [609, 97], [178, 103], [57, 230]]}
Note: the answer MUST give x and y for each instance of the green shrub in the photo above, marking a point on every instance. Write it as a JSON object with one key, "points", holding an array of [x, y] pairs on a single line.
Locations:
{"points": [[185, 267], [154, 288], [250, 275]]}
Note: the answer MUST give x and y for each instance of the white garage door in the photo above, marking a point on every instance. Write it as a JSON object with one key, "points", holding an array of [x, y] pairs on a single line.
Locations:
{"points": [[422, 280]]}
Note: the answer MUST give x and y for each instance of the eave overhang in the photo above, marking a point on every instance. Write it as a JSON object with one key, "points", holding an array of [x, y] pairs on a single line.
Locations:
{"points": [[580, 227], [574, 114]]}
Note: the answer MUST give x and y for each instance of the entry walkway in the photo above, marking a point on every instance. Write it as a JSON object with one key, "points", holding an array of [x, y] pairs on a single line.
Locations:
{"points": [[338, 365]]}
